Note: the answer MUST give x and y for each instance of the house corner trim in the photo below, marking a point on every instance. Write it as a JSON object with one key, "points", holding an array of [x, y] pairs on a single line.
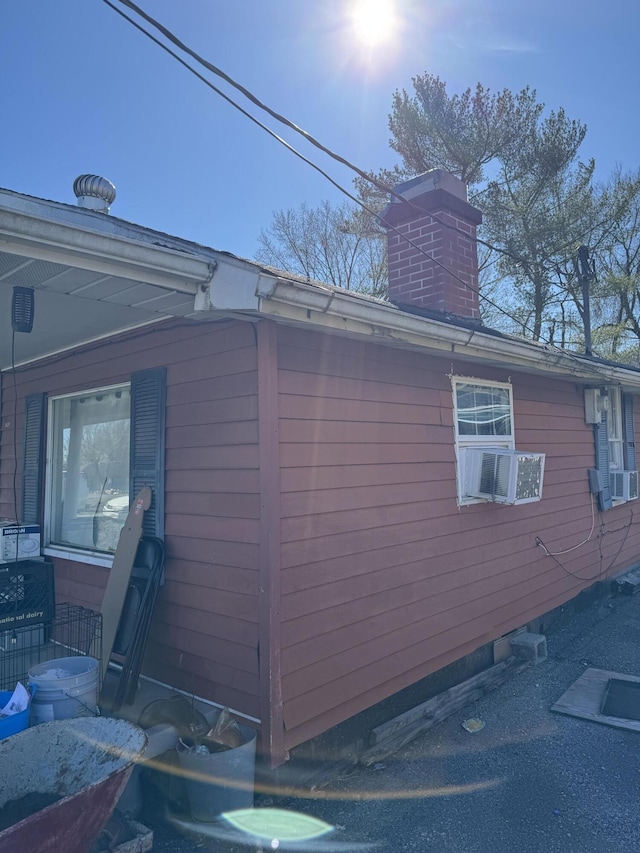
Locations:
{"points": [[269, 605]]}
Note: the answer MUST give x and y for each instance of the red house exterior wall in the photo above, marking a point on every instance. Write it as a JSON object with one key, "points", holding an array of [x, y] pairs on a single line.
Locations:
{"points": [[384, 579], [204, 638], [311, 516]]}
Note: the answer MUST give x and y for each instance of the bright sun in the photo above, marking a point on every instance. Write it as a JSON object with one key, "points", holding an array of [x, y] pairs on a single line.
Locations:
{"points": [[374, 21]]}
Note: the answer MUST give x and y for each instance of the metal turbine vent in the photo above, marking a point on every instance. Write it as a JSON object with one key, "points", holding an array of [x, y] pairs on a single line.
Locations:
{"points": [[94, 192]]}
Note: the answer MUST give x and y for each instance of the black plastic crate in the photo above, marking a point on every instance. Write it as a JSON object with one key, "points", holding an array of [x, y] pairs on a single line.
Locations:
{"points": [[27, 594]]}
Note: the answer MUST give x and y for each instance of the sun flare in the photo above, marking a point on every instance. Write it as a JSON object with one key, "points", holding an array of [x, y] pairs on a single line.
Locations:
{"points": [[374, 21]]}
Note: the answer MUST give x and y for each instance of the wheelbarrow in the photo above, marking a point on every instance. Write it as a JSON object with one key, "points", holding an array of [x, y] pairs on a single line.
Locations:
{"points": [[60, 782]]}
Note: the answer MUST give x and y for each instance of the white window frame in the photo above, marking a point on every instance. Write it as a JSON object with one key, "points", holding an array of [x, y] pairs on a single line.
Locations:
{"points": [[614, 430], [462, 442], [64, 551]]}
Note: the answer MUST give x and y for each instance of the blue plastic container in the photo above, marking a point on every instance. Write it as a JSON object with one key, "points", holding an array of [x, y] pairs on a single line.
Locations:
{"points": [[16, 722]]}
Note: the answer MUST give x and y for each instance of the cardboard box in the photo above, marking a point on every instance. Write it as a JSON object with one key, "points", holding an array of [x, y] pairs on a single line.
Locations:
{"points": [[26, 535]]}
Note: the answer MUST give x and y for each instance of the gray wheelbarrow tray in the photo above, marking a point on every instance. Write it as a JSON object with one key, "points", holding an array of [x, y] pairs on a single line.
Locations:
{"points": [[85, 761]]}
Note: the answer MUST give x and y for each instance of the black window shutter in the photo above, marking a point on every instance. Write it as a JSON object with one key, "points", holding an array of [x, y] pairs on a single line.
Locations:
{"points": [[148, 404], [601, 435], [33, 458], [628, 433]]}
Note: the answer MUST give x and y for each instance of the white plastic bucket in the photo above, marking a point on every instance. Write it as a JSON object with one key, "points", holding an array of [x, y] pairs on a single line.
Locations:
{"points": [[65, 688]]}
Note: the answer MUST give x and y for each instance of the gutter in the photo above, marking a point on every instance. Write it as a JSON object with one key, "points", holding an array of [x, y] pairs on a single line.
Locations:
{"points": [[383, 322], [24, 233], [241, 288]]}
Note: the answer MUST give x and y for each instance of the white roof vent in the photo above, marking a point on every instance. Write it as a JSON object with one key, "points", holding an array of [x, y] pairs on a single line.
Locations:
{"points": [[94, 192]]}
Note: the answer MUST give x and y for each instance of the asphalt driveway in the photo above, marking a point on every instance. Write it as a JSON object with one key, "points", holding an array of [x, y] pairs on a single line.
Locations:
{"points": [[530, 781]]}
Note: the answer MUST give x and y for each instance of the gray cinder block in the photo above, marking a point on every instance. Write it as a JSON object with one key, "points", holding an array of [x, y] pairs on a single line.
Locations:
{"points": [[527, 646]]}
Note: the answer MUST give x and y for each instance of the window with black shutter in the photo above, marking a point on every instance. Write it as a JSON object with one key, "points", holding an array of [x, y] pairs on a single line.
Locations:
{"points": [[33, 459], [615, 449], [148, 405], [105, 444]]}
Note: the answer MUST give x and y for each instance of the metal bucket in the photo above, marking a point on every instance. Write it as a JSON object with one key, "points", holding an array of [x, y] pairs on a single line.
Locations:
{"points": [[85, 762], [221, 781]]}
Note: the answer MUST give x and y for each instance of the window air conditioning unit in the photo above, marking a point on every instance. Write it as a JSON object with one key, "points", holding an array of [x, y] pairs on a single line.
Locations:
{"points": [[624, 485], [503, 476]]}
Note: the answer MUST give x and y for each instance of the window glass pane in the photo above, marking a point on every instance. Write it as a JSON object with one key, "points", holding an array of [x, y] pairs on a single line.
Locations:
{"points": [[89, 488], [483, 410], [614, 427]]}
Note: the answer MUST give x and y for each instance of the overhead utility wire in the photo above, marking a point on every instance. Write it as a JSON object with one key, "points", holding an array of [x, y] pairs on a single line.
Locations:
{"points": [[309, 137], [295, 151], [305, 134], [306, 160], [229, 100], [293, 126]]}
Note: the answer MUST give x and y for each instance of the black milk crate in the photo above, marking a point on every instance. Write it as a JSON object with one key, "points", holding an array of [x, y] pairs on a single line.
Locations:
{"points": [[74, 630], [27, 594]]}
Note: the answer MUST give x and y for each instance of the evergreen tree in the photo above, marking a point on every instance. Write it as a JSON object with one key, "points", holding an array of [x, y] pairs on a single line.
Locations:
{"points": [[523, 172]]}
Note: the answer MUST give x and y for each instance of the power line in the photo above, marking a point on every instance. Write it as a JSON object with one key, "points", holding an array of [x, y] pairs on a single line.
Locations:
{"points": [[175, 40], [229, 100], [312, 139], [306, 160]]}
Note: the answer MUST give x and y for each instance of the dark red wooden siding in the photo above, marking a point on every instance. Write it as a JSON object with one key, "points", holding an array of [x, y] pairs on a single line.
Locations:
{"points": [[384, 580], [205, 631]]}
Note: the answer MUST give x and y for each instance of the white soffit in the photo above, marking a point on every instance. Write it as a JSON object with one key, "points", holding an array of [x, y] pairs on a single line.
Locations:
{"points": [[87, 284]]}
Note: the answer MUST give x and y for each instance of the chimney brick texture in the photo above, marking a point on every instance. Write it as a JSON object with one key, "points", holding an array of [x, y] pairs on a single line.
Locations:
{"points": [[448, 236]]}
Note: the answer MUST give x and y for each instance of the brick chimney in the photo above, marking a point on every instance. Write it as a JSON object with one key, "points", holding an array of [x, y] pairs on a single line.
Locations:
{"points": [[414, 279]]}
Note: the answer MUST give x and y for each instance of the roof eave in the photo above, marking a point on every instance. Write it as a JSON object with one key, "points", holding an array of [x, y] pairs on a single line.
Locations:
{"points": [[383, 322], [29, 232]]}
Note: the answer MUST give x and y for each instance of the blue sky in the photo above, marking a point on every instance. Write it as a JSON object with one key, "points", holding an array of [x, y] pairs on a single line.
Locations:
{"points": [[82, 91]]}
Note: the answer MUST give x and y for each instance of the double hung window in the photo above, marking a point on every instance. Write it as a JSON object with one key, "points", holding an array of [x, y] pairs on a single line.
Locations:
{"points": [[615, 448], [614, 431], [88, 468], [483, 417], [87, 455]]}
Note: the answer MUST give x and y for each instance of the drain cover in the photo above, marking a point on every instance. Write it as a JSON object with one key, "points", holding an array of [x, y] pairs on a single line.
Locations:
{"points": [[622, 699]]}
